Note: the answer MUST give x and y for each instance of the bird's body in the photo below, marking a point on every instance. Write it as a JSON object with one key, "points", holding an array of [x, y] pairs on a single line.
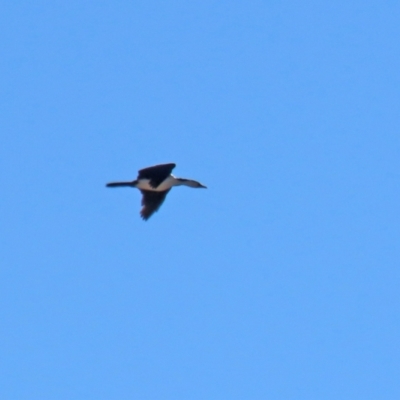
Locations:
{"points": [[166, 184], [155, 182]]}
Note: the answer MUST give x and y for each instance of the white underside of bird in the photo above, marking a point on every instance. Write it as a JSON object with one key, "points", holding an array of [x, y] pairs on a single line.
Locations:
{"points": [[168, 183]]}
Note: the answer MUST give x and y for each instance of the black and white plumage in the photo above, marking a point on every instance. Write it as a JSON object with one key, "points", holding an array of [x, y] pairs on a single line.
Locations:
{"points": [[155, 182]]}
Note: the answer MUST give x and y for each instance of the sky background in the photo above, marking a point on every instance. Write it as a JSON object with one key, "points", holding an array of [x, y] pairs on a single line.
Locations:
{"points": [[281, 280]]}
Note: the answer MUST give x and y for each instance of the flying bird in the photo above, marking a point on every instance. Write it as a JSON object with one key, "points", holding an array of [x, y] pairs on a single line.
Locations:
{"points": [[155, 182]]}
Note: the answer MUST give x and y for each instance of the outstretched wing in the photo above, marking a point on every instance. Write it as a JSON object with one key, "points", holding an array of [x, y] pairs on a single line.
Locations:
{"points": [[151, 202], [156, 174]]}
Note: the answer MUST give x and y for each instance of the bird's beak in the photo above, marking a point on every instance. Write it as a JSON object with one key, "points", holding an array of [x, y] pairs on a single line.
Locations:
{"points": [[202, 186]]}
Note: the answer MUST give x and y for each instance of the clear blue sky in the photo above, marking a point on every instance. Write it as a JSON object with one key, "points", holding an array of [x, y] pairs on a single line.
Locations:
{"points": [[281, 281]]}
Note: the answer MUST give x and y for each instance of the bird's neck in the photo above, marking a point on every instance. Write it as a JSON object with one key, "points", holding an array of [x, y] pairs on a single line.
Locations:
{"points": [[184, 182]]}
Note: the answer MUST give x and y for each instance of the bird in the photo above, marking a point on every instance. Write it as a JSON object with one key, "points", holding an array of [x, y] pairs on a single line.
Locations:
{"points": [[154, 183]]}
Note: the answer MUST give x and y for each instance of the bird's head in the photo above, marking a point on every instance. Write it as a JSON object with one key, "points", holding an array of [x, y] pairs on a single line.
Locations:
{"points": [[191, 183]]}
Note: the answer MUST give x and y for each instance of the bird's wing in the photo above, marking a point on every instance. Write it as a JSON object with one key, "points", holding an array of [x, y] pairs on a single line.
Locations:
{"points": [[156, 173], [151, 202]]}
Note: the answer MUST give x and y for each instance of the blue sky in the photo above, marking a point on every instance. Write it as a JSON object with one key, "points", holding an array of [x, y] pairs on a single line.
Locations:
{"points": [[281, 280]]}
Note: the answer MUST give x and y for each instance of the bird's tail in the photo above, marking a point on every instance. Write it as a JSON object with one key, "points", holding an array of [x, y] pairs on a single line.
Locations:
{"points": [[120, 184]]}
